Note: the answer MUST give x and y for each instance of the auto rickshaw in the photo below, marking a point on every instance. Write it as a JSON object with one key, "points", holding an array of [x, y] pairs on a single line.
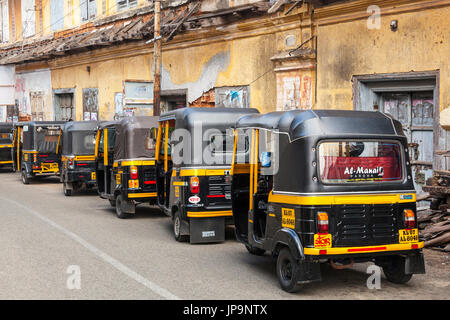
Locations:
{"points": [[324, 185], [6, 142], [77, 158], [37, 149], [125, 163], [193, 154]]}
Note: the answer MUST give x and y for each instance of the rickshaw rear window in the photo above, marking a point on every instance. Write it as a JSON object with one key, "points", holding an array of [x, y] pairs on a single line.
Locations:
{"points": [[360, 161], [83, 143], [47, 139], [224, 143], [5, 137]]}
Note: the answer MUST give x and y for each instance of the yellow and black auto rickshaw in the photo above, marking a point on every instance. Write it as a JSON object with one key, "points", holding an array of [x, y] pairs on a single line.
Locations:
{"points": [[193, 154], [323, 185], [6, 143], [77, 158], [37, 149], [125, 163]]}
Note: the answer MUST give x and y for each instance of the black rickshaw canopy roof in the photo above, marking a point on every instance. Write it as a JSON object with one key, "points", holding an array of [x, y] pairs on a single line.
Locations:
{"points": [[134, 137], [34, 140], [80, 126], [74, 135], [209, 117], [303, 123], [40, 123]]}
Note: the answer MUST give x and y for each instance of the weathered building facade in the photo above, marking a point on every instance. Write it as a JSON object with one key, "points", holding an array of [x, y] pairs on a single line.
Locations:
{"points": [[214, 53], [92, 59]]}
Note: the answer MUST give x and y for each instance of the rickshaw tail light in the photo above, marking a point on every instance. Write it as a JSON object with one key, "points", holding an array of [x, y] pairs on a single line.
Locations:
{"points": [[322, 222], [134, 172], [409, 218], [195, 185]]}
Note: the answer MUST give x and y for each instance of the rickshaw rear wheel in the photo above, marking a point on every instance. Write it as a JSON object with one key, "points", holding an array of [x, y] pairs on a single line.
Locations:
{"points": [[67, 192], [395, 270], [177, 228], [119, 211], [288, 271], [254, 250], [25, 179]]}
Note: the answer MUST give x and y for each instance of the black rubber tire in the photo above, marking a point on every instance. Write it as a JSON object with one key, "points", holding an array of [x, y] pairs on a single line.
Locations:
{"points": [[287, 271], [67, 192], [25, 179], [177, 227], [120, 214], [395, 270], [255, 251]]}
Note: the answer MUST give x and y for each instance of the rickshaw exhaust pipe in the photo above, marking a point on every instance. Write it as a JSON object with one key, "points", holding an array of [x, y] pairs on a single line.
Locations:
{"points": [[342, 266]]}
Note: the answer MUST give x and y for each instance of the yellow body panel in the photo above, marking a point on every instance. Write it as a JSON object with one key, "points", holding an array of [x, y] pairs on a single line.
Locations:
{"points": [[208, 214], [356, 250], [340, 199], [142, 195]]}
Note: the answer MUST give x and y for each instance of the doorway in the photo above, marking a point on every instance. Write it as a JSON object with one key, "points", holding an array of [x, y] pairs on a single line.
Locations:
{"points": [[415, 112], [64, 104], [413, 99], [173, 99]]}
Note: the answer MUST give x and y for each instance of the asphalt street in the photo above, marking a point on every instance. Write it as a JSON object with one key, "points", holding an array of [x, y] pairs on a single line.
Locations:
{"points": [[45, 236]]}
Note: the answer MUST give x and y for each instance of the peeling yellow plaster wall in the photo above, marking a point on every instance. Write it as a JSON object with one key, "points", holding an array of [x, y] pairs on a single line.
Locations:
{"points": [[251, 64], [107, 76], [420, 44], [249, 59]]}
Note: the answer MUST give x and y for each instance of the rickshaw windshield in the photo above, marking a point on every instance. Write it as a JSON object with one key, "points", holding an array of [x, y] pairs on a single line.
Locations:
{"points": [[360, 162], [83, 143], [46, 139], [111, 139]]}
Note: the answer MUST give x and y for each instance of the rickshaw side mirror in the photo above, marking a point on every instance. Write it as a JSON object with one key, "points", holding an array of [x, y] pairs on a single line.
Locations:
{"points": [[265, 159]]}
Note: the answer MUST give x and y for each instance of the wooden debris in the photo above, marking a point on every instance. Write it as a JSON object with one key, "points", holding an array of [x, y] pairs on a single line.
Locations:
{"points": [[434, 227]]}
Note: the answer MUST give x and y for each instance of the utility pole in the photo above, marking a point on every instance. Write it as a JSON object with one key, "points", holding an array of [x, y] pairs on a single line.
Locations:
{"points": [[157, 53]]}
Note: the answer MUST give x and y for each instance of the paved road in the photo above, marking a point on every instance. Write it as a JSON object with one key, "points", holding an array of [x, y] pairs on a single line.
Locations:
{"points": [[43, 234]]}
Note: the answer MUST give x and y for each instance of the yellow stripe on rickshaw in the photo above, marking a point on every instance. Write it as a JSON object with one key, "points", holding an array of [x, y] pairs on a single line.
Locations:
{"points": [[342, 199], [142, 195], [128, 163], [84, 158], [356, 250], [203, 172], [209, 214], [5, 146]]}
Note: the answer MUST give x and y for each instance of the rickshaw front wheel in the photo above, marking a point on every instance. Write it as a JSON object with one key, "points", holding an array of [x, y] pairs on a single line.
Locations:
{"points": [[288, 271], [67, 192], [395, 270]]}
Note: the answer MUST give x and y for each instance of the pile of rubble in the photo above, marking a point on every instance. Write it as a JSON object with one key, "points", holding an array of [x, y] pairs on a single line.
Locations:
{"points": [[434, 226]]}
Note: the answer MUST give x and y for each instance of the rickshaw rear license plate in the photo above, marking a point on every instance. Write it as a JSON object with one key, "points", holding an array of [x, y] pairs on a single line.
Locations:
{"points": [[408, 235], [288, 218], [322, 240]]}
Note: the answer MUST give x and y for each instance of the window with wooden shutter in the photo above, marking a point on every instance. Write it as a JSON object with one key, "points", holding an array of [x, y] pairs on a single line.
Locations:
{"points": [[123, 4], [88, 9], [4, 19]]}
